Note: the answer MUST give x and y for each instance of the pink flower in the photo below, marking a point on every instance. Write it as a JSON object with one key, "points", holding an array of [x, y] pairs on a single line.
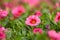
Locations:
{"points": [[17, 11], [57, 4], [33, 20], [57, 18], [54, 35], [3, 13], [38, 13], [32, 2], [7, 4], [2, 28], [2, 33], [37, 30]]}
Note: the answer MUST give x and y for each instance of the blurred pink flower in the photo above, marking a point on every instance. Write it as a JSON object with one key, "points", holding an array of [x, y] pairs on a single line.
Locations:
{"points": [[54, 35], [3, 13], [57, 18], [7, 4], [38, 13], [2, 33], [57, 4], [32, 2], [37, 30], [17, 11], [33, 20], [2, 29]]}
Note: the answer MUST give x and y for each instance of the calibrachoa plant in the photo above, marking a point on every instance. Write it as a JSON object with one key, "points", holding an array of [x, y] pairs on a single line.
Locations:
{"points": [[29, 19]]}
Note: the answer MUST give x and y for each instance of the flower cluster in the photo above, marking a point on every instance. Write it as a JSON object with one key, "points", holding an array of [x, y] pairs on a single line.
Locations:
{"points": [[16, 12]]}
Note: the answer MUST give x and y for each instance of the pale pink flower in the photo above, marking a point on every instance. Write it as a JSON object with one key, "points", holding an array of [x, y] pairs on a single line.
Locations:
{"points": [[3, 13], [32, 3], [2, 33], [18, 10], [57, 18], [8, 5], [33, 20], [57, 4], [37, 30], [54, 35], [38, 13], [2, 28]]}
